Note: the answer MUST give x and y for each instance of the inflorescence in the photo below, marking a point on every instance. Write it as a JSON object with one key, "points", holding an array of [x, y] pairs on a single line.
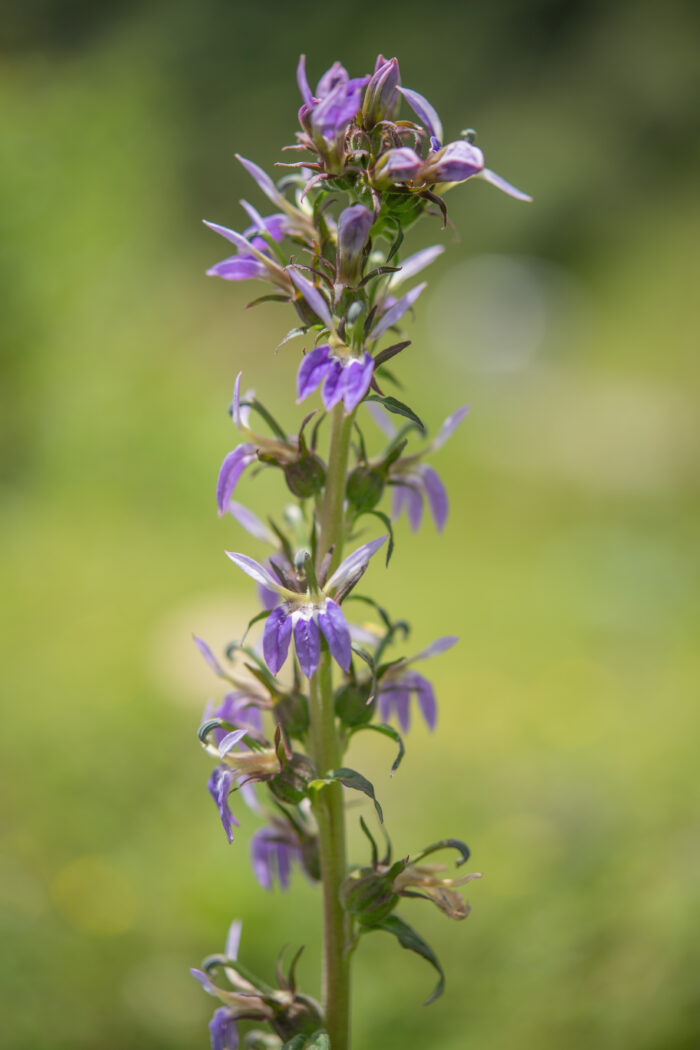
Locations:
{"points": [[333, 249]]}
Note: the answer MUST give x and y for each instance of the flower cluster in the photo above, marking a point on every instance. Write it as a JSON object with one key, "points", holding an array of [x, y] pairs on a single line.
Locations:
{"points": [[313, 677]]}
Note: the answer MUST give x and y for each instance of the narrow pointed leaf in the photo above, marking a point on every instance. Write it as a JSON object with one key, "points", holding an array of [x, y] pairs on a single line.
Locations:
{"points": [[409, 939], [398, 408], [350, 778], [389, 731]]}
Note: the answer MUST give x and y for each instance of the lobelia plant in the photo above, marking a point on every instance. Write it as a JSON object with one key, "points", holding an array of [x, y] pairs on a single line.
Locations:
{"points": [[332, 248]]}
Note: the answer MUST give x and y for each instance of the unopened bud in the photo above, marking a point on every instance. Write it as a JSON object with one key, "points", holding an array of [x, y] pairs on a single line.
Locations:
{"points": [[369, 897], [454, 163], [353, 230], [365, 487], [305, 476], [396, 165], [292, 710], [351, 704], [290, 785], [382, 100]]}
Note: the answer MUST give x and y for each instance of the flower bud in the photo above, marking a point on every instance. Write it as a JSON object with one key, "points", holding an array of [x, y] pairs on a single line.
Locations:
{"points": [[302, 1016], [290, 785], [365, 487], [305, 476], [369, 897], [351, 704], [396, 165], [454, 163], [353, 230], [382, 100], [292, 710]]}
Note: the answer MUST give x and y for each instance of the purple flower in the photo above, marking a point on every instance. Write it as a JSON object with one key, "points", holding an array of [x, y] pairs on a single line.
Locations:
{"points": [[308, 617], [272, 851], [223, 1030], [415, 482], [345, 378], [400, 683], [461, 160], [252, 259]]}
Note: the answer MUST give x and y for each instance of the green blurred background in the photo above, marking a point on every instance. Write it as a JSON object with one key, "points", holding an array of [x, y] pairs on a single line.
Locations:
{"points": [[567, 748]]}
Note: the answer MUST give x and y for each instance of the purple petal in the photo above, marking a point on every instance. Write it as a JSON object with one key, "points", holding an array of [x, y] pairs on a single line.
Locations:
{"points": [[230, 471], [312, 370], [449, 426], [239, 268], [284, 863], [424, 111], [230, 741], [204, 980], [407, 497], [233, 939], [337, 74], [501, 184], [335, 631], [236, 401], [307, 642], [220, 784], [313, 297], [254, 569], [332, 115], [358, 376], [426, 700], [359, 559], [260, 859], [437, 496], [263, 180], [235, 238], [398, 700], [440, 645], [414, 264], [223, 1030], [276, 637], [208, 656], [333, 387], [396, 312], [236, 708], [251, 522], [302, 82]]}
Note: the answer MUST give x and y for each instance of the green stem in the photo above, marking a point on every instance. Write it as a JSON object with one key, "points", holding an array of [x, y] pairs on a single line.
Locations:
{"points": [[332, 531], [326, 754]]}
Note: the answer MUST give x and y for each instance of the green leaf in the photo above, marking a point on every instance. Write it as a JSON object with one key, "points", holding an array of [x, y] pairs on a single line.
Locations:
{"points": [[267, 299], [389, 731], [409, 939], [390, 351], [255, 619], [386, 521], [392, 404], [350, 778]]}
